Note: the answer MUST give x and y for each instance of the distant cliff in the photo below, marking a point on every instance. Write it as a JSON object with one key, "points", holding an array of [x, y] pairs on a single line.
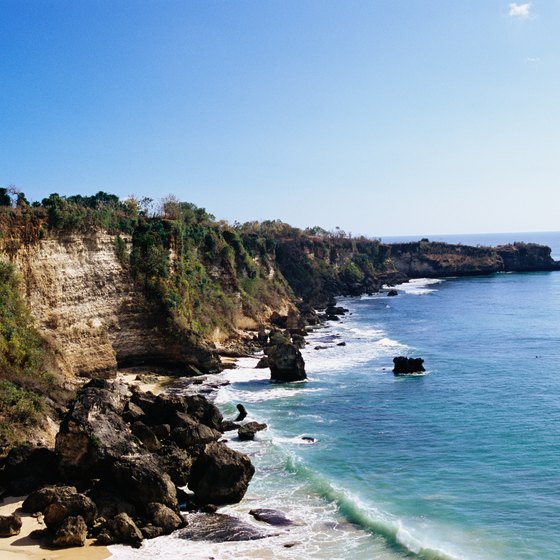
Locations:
{"points": [[437, 259]]}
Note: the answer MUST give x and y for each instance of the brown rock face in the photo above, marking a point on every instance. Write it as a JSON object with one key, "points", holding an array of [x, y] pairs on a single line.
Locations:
{"points": [[85, 301], [286, 363], [72, 532], [220, 475]]}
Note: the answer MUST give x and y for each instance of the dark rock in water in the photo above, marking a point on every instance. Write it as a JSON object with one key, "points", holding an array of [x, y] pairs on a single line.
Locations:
{"points": [[217, 527], [334, 310], [10, 525], [333, 318], [220, 475], [72, 532], [121, 529], [271, 516], [321, 348], [242, 413], [164, 517], [27, 468], [406, 366], [228, 426], [392, 293], [262, 363], [248, 431], [308, 314], [208, 508], [341, 344], [286, 363], [309, 439]]}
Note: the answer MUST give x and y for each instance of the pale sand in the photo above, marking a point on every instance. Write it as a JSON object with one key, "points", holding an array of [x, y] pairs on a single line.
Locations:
{"points": [[155, 387], [22, 547]]}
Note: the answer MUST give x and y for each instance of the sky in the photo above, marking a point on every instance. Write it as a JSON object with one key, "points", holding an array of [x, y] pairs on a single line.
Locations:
{"points": [[381, 117]]}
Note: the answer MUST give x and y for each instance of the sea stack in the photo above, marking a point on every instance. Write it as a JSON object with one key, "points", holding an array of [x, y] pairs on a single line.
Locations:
{"points": [[286, 363], [407, 366]]}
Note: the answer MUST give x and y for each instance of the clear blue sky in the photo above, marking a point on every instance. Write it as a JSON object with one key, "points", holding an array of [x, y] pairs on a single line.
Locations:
{"points": [[382, 117]]}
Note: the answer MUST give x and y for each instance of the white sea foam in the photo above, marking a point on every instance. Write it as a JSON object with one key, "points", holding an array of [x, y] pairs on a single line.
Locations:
{"points": [[418, 286]]}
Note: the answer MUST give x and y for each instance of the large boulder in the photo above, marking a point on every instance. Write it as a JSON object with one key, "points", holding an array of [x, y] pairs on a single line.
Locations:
{"points": [[66, 505], [164, 517], [93, 433], [220, 475], [27, 468], [176, 462], [199, 434], [10, 525], [248, 431], [72, 532], [121, 529], [40, 499], [140, 480], [286, 363], [407, 366]]}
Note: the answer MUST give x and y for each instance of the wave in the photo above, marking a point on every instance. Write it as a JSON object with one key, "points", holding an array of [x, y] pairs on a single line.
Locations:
{"points": [[418, 286], [366, 517]]}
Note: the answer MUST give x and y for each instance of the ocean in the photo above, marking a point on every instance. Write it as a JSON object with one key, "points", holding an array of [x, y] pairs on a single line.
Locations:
{"points": [[460, 463]]}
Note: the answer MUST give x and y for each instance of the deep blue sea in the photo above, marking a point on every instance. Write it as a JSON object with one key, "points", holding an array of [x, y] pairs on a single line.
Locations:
{"points": [[461, 463]]}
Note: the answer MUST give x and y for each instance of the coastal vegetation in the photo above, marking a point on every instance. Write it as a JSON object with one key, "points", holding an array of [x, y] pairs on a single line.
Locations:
{"points": [[27, 371]]}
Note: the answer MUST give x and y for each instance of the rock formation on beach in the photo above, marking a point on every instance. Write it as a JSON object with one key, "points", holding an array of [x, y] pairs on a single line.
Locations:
{"points": [[128, 487]]}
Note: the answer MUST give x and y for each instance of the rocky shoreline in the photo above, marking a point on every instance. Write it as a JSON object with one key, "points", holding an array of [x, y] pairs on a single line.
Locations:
{"points": [[128, 464]]}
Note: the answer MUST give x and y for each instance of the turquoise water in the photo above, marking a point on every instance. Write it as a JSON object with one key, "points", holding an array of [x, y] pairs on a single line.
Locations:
{"points": [[462, 462]]}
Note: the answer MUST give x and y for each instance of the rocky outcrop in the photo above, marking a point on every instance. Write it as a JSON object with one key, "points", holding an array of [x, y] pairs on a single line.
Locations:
{"points": [[247, 431], [220, 475], [436, 259], [286, 363], [129, 486], [407, 366], [526, 257]]}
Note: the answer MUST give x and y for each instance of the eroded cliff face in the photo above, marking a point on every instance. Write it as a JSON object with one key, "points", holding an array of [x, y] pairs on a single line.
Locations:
{"points": [[87, 306], [435, 259]]}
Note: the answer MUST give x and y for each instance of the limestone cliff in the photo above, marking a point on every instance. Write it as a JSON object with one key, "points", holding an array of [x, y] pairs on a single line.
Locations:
{"points": [[85, 302]]}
